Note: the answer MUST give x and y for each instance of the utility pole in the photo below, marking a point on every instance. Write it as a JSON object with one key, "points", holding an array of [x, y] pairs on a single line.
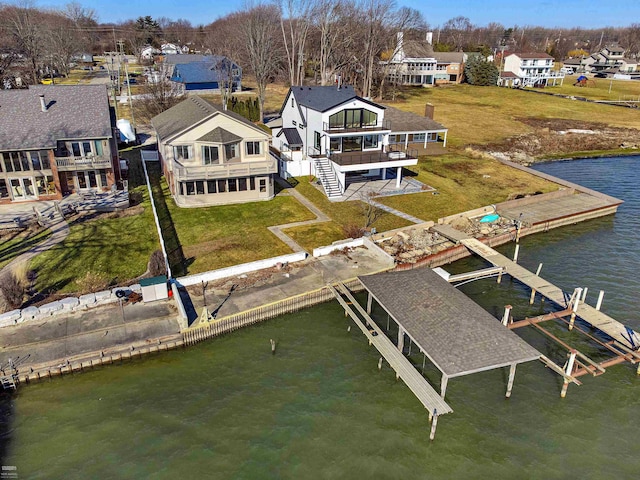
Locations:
{"points": [[126, 72]]}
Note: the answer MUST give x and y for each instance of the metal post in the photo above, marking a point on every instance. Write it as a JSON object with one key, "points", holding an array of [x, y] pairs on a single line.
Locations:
{"points": [[507, 312], [600, 297], [512, 374], [515, 254]]}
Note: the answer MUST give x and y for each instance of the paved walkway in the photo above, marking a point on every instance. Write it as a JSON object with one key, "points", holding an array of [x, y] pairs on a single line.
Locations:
{"points": [[396, 212], [277, 229]]}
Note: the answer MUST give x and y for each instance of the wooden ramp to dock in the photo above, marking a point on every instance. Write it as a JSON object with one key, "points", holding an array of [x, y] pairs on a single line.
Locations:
{"points": [[611, 327], [423, 391]]}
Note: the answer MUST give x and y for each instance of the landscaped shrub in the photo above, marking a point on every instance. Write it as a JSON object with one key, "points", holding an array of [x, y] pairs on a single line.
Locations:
{"points": [[352, 231], [12, 290], [157, 264]]}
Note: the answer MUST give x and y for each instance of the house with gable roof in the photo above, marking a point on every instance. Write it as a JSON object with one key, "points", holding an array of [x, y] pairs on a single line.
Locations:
{"points": [[212, 156], [529, 70], [341, 138], [203, 73]]}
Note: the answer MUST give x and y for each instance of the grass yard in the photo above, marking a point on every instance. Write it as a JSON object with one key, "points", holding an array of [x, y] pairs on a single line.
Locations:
{"points": [[598, 89], [342, 214], [109, 250], [462, 185], [489, 114], [215, 237], [16, 243]]}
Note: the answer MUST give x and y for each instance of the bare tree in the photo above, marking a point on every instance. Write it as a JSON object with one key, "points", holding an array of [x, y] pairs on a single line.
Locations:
{"points": [[457, 31], [333, 39], [227, 75], [294, 34], [24, 25], [260, 32], [158, 97]]}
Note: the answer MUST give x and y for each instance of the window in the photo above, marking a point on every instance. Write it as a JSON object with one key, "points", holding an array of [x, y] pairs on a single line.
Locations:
{"points": [[292, 102], [369, 119], [233, 185], [210, 155], [334, 144], [231, 151], [98, 147], [253, 148], [86, 147], [181, 152], [351, 144], [242, 184], [418, 137], [45, 185], [93, 180], [211, 186], [4, 191], [353, 118], [222, 186], [200, 187], [316, 140], [16, 161], [75, 148], [371, 141], [337, 120], [263, 185], [252, 183]]}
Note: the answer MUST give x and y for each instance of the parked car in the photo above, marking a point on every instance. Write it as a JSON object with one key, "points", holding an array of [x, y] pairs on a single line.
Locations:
{"points": [[567, 70], [132, 81], [46, 81]]}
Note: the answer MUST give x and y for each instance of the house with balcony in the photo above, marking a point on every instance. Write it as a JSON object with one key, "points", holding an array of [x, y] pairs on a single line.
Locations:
{"points": [[55, 141], [342, 139], [529, 70], [610, 60], [211, 156]]}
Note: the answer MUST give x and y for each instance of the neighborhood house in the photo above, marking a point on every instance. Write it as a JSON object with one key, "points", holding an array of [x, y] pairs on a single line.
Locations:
{"points": [[204, 73], [211, 156], [529, 70], [55, 141], [341, 138]]}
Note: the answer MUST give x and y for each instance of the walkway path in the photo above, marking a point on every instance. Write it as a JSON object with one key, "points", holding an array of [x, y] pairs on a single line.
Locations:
{"points": [[60, 231], [277, 229], [398, 213]]}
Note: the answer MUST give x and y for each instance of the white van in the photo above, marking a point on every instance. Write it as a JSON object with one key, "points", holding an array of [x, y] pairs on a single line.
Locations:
{"points": [[567, 70]]}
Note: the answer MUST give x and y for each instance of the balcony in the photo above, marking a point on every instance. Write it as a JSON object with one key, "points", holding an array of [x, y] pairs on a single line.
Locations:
{"points": [[365, 158], [66, 164], [225, 170], [384, 125]]}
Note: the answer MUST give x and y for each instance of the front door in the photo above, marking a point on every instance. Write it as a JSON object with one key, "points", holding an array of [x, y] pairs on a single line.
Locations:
{"points": [[22, 188], [86, 180]]}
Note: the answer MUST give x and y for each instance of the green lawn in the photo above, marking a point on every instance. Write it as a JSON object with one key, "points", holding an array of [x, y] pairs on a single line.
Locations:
{"points": [[480, 115], [209, 238], [462, 184], [600, 89], [342, 214], [16, 243], [102, 252]]}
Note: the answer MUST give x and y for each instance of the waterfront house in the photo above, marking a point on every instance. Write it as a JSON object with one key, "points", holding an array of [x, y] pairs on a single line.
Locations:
{"points": [[341, 138], [610, 59], [529, 70], [415, 63], [56, 140], [213, 157]]}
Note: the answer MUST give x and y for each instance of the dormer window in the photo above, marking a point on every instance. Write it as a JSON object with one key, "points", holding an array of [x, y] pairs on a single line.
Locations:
{"points": [[182, 152]]}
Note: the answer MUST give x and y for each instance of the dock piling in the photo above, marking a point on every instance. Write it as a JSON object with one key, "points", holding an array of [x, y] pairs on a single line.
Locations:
{"points": [[515, 253], [576, 303], [507, 313], [512, 375], [380, 364], [600, 297], [434, 422], [568, 371]]}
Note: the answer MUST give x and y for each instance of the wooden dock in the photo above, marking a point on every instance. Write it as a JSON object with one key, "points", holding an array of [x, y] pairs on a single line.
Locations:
{"points": [[424, 392], [611, 327]]}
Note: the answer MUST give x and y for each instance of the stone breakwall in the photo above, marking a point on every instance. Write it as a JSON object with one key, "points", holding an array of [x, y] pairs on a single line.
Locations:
{"points": [[66, 305]]}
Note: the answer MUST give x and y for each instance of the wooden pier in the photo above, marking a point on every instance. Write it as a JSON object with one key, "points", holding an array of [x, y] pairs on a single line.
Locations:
{"points": [[430, 399], [611, 327]]}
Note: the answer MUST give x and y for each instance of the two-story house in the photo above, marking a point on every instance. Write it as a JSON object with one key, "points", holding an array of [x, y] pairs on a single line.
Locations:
{"points": [[341, 138], [610, 60], [56, 140], [529, 70], [211, 156]]}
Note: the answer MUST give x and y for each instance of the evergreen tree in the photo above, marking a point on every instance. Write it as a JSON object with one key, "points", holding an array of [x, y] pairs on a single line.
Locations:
{"points": [[478, 71]]}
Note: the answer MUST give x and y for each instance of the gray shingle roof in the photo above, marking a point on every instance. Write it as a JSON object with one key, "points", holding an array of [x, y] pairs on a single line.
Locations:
{"points": [[456, 333], [417, 49], [322, 99], [402, 121], [189, 112], [449, 57], [74, 112], [219, 135]]}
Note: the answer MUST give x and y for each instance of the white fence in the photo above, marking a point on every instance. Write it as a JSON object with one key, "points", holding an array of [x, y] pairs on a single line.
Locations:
{"points": [[236, 270]]}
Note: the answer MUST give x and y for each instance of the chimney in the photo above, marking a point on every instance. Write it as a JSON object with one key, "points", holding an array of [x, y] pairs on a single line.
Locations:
{"points": [[43, 105], [430, 38], [428, 110]]}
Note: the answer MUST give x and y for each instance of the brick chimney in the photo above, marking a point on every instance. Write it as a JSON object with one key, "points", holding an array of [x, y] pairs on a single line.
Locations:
{"points": [[428, 110]]}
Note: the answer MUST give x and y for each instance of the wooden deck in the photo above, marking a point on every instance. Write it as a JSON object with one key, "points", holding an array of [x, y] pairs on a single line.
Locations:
{"points": [[611, 327], [423, 391]]}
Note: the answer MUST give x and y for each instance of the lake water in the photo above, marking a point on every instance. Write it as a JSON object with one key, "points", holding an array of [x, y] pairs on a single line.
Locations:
{"points": [[320, 409]]}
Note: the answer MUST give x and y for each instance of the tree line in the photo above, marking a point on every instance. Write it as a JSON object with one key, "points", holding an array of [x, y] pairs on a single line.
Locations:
{"points": [[294, 41]]}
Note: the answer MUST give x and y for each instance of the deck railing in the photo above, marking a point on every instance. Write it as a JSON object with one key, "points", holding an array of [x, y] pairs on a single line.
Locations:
{"points": [[225, 170], [83, 163]]}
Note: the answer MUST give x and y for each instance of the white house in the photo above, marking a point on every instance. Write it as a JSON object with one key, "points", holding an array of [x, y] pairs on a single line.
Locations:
{"points": [[341, 138], [529, 70], [149, 52], [170, 49], [610, 59]]}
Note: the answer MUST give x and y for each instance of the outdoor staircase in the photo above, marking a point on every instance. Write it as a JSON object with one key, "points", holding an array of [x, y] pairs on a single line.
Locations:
{"points": [[328, 178]]}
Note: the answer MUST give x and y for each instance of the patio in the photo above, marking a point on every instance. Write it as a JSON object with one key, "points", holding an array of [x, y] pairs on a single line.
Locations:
{"points": [[359, 190]]}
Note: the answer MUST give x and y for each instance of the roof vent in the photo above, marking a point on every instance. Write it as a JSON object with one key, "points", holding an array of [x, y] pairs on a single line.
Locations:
{"points": [[43, 105]]}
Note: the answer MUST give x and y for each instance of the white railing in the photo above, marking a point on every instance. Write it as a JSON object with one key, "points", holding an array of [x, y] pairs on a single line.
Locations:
{"points": [[80, 163], [225, 170]]}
